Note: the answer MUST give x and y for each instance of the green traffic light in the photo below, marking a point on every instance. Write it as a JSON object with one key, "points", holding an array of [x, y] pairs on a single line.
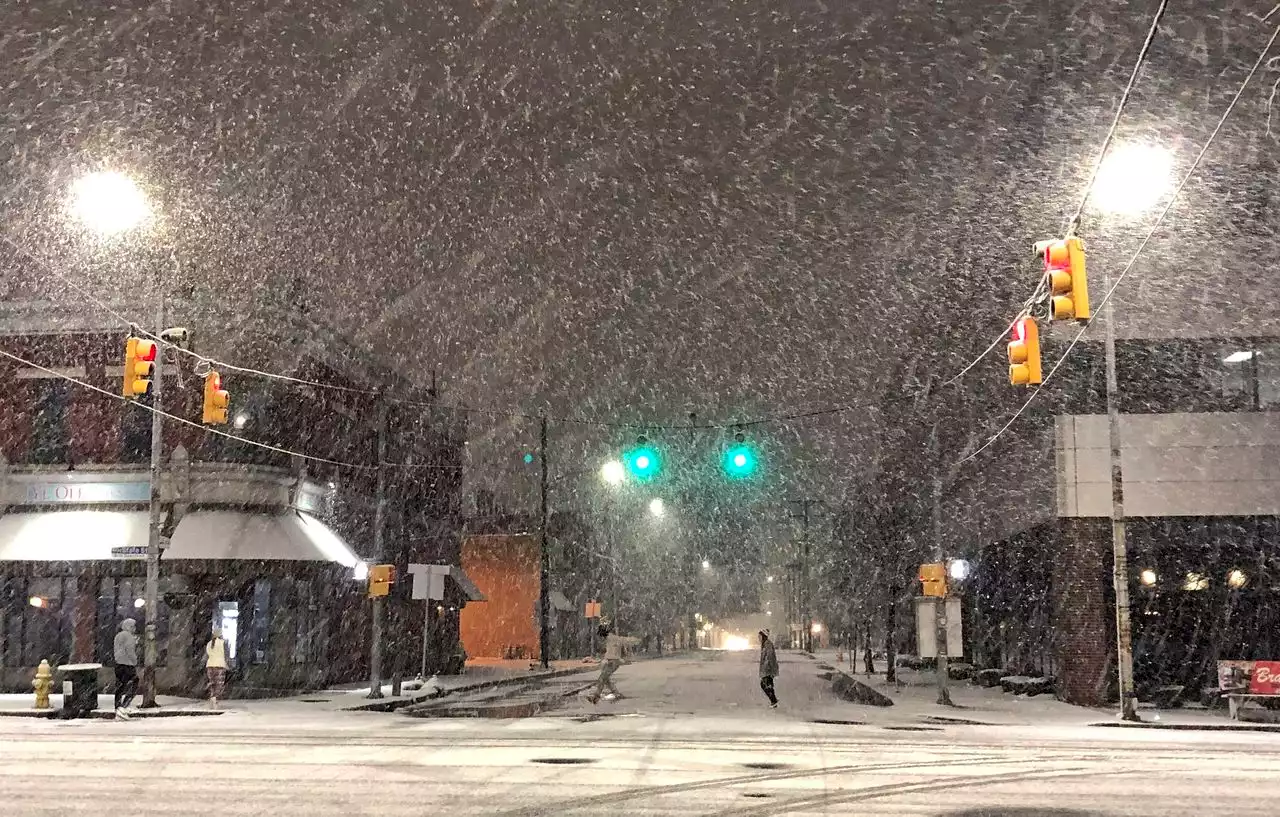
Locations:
{"points": [[643, 462], [740, 461], [528, 458]]}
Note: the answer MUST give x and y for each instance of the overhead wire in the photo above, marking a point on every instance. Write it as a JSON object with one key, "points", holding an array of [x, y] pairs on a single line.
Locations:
{"points": [[1137, 253], [184, 421], [1074, 223]]}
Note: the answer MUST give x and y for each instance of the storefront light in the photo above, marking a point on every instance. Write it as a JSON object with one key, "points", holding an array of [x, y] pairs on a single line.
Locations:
{"points": [[816, 628], [139, 603], [1148, 577], [37, 601], [1195, 581], [1237, 579]]}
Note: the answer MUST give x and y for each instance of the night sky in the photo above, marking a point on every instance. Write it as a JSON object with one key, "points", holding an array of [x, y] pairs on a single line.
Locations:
{"points": [[734, 208]]}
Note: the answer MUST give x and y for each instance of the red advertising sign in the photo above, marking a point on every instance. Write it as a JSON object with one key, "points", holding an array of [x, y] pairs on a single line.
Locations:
{"points": [[1266, 678]]}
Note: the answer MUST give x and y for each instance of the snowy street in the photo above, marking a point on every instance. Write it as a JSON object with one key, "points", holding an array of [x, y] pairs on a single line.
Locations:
{"points": [[691, 737]]}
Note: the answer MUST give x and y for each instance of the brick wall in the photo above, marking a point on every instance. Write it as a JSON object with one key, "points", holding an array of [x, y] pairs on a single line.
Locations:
{"points": [[1083, 617]]}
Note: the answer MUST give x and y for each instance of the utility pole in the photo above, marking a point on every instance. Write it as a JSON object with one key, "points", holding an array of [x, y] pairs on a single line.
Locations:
{"points": [[1120, 555], [155, 508], [544, 576], [695, 573], [379, 549], [940, 604], [806, 615]]}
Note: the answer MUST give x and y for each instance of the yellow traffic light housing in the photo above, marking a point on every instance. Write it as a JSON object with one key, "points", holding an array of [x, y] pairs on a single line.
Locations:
{"points": [[933, 578], [1024, 353], [381, 577], [216, 400], [139, 367], [1064, 267]]}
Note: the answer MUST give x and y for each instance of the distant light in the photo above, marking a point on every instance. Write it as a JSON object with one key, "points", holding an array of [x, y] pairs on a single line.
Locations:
{"points": [[657, 507], [613, 472], [816, 628], [736, 643], [37, 601], [706, 628], [697, 616], [768, 612], [706, 565], [528, 458], [642, 462], [139, 603], [360, 572], [1195, 581], [241, 420], [1237, 579], [1133, 178], [739, 461], [959, 569], [109, 203], [1238, 357], [1148, 577], [769, 579]]}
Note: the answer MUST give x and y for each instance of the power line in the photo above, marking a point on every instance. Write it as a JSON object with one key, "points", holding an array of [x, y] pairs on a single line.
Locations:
{"points": [[183, 421], [1074, 223], [1134, 260]]}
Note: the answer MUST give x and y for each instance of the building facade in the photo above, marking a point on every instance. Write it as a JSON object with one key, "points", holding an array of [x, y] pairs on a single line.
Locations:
{"points": [[265, 546]]}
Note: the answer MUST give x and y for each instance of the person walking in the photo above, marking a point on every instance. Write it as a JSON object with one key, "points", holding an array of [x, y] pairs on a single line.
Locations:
{"points": [[215, 666], [768, 668], [125, 653], [613, 645]]}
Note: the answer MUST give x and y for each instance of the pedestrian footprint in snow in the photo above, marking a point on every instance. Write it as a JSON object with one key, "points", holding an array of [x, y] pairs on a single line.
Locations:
{"points": [[613, 644], [768, 668]]}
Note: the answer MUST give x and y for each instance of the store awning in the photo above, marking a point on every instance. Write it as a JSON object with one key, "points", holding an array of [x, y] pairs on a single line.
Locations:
{"points": [[291, 537], [67, 536]]}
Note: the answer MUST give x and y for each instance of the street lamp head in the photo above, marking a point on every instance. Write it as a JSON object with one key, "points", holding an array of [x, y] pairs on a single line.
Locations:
{"points": [[1133, 178], [613, 472], [109, 203], [657, 507]]}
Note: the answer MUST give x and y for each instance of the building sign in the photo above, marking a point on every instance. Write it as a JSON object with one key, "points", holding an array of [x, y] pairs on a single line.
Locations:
{"points": [[71, 493], [1266, 678]]}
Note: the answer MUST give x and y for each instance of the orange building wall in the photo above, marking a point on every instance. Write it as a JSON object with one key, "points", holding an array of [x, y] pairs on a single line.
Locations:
{"points": [[505, 569]]}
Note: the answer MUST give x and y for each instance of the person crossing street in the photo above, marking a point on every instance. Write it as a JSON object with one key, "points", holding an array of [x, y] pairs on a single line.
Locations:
{"points": [[613, 646], [768, 668]]}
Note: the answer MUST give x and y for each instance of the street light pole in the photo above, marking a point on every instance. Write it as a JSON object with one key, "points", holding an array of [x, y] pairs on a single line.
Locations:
{"points": [[379, 548], [150, 652], [1119, 548], [544, 556]]}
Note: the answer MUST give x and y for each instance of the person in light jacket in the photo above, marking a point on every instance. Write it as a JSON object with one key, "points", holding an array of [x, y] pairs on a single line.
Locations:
{"points": [[768, 668], [613, 644], [215, 666], [125, 654]]}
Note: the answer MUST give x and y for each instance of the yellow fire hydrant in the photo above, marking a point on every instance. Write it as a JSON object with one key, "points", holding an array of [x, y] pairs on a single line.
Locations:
{"points": [[42, 684]]}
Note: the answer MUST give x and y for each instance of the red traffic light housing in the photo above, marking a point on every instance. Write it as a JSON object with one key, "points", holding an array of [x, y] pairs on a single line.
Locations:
{"points": [[1024, 353], [1065, 269]]}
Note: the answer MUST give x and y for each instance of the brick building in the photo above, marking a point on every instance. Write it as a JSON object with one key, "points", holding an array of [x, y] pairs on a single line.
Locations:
{"points": [[264, 545]]}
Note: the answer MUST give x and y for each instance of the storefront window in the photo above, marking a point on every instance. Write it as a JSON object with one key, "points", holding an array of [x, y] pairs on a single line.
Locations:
{"points": [[48, 626], [13, 602], [260, 632], [123, 598]]}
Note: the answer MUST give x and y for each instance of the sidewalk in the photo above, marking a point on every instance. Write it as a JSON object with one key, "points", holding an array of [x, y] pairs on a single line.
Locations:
{"points": [[915, 701], [23, 705]]}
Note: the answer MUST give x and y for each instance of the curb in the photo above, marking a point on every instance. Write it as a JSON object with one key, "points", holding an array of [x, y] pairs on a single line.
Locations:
{"points": [[400, 703], [1191, 727], [105, 715]]}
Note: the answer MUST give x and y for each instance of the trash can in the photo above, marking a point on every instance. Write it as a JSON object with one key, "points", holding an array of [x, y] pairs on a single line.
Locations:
{"points": [[83, 699]]}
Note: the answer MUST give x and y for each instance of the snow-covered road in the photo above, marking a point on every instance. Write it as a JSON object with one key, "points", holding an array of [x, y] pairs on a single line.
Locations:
{"points": [[692, 740]]}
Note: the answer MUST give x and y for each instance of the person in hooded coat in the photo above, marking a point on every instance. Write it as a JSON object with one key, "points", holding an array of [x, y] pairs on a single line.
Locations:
{"points": [[125, 653], [768, 668]]}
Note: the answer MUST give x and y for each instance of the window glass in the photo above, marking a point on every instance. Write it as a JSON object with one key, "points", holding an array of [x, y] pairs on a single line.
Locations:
{"points": [[260, 632], [49, 428]]}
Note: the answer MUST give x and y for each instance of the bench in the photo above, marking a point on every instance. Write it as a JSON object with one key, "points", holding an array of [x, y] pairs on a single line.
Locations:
{"points": [[1237, 697]]}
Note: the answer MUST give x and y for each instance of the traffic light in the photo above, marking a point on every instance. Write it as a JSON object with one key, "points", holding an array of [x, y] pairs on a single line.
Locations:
{"points": [[216, 400], [644, 462], [139, 366], [1024, 353], [740, 460], [381, 577], [1064, 267], [933, 579]]}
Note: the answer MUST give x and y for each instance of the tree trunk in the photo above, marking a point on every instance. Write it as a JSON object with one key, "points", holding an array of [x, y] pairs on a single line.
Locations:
{"points": [[891, 630], [867, 657]]}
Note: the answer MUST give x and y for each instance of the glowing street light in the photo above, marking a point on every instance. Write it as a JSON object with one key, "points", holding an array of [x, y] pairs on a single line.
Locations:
{"points": [[657, 507], [1133, 178], [109, 203], [613, 472], [706, 565], [1148, 577]]}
